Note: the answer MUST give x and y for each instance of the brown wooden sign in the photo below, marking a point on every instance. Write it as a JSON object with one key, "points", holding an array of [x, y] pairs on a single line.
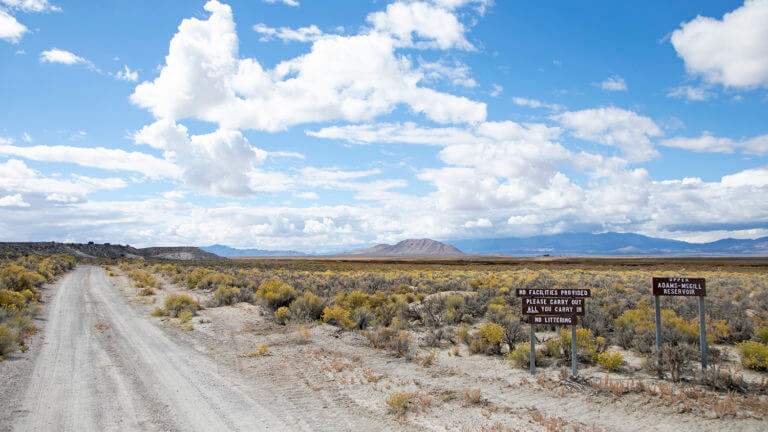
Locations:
{"points": [[553, 292], [552, 320], [675, 286]]}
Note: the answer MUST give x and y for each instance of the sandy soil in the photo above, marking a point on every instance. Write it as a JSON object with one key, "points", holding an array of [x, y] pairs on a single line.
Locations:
{"points": [[105, 366], [341, 367]]}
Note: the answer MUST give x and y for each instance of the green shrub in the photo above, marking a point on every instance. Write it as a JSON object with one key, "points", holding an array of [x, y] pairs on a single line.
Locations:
{"points": [[337, 316], [175, 303], [226, 295], [463, 334], [142, 279], [754, 355], [9, 340], [492, 333], [12, 301], [282, 314], [184, 316], [276, 294], [488, 339], [588, 347], [308, 307], [194, 277], [362, 318], [211, 280], [399, 403], [611, 360], [17, 278], [521, 355], [762, 334], [398, 343]]}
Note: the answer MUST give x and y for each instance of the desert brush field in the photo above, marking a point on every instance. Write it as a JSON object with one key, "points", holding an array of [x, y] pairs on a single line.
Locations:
{"points": [[429, 344]]}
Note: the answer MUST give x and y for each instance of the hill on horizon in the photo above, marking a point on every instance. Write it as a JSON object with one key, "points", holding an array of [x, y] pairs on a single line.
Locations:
{"points": [[411, 248]]}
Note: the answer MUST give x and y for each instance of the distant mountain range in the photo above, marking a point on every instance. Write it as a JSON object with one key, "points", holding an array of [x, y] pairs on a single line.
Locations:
{"points": [[226, 251], [411, 248], [620, 244], [577, 244]]}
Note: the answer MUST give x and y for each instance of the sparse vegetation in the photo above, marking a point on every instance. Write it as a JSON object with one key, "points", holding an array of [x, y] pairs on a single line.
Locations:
{"points": [[226, 295], [282, 314], [276, 294], [395, 305], [9, 340], [399, 403], [176, 304], [754, 355], [611, 360], [20, 277], [304, 335], [473, 396], [261, 351], [521, 355]]}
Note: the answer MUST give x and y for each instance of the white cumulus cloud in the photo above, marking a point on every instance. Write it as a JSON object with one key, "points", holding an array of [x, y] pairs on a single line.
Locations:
{"points": [[732, 51], [351, 78], [631, 132], [127, 74], [614, 83], [286, 34], [96, 157], [534, 103], [31, 5], [690, 93], [479, 223], [55, 55], [285, 2], [13, 201], [709, 143], [10, 29], [434, 27]]}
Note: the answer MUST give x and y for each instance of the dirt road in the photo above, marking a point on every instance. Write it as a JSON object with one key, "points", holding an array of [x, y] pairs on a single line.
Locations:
{"points": [[103, 366]]}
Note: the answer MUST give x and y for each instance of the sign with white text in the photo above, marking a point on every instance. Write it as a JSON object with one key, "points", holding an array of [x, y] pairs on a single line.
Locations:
{"points": [[676, 286]]}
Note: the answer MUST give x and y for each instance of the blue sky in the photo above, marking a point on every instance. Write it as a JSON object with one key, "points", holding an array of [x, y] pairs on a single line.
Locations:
{"points": [[320, 126]]}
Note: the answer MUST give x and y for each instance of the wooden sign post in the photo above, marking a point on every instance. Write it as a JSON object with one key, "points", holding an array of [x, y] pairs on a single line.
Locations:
{"points": [[686, 287], [553, 307]]}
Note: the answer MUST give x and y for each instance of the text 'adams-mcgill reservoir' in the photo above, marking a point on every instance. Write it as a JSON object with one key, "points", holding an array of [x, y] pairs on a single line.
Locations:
{"points": [[695, 287]]}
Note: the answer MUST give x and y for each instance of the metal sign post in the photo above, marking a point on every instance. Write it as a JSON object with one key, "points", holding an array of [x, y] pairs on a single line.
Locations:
{"points": [[658, 334], [574, 360], [702, 334], [533, 352], [683, 287]]}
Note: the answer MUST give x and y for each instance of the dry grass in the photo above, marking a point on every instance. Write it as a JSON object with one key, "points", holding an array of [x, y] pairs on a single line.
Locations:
{"points": [[473, 397], [304, 335], [429, 359], [399, 403], [262, 351]]}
